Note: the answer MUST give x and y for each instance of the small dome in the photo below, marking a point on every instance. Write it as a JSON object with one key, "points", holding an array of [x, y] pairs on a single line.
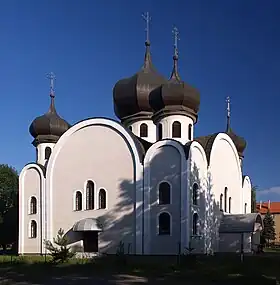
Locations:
{"points": [[176, 96], [240, 143], [131, 95], [50, 126]]}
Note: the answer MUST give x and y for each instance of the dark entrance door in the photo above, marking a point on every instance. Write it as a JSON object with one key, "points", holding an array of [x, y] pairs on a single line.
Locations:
{"points": [[91, 241]]}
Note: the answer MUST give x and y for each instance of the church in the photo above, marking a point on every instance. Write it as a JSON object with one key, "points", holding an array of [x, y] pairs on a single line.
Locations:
{"points": [[144, 181]]}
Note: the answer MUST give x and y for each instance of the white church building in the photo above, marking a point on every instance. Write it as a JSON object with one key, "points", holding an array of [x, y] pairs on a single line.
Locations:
{"points": [[144, 180]]}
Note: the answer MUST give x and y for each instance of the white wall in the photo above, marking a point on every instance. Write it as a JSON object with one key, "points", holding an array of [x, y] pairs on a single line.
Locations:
{"points": [[198, 174], [246, 191], [31, 183], [151, 129], [41, 152], [167, 127], [100, 150]]}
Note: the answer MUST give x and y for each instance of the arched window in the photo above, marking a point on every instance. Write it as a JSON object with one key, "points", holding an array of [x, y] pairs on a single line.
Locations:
{"points": [[221, 202], [33, 205], [33, 229], [164, 193], [190, 132], [195, 224], [225, 200], [229, 204], [195, 194], [160, 131], [164, 224], [48, 152], [176, 129], [79, 201], [245, 208], [90, 195], [102, 199], [143, 130]]}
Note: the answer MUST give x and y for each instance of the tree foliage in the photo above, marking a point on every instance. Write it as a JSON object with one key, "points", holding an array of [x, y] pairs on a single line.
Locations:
{"points": [[254, 199], [9, 182], [59, 250], [269, 229]]}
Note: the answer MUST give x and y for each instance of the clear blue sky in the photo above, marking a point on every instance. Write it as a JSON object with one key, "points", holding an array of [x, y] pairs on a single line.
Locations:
{"points": [[227, 48]]}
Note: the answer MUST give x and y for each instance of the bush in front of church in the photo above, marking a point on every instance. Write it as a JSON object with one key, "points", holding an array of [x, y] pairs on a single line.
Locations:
{"points": [[59, 250]]}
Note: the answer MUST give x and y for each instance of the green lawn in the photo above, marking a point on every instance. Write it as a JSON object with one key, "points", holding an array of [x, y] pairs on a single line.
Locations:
{"points": [[224, 269]]}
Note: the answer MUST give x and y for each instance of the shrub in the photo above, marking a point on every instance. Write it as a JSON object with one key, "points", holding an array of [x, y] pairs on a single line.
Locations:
{"points": [[59, 250]]}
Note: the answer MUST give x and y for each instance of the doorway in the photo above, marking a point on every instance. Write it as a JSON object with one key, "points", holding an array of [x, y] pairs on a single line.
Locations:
{"points": [[90, 239]]}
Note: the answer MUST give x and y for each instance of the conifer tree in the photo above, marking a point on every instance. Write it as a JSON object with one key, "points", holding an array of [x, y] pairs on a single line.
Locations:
{"points": [[59, 250], [269, 229]]}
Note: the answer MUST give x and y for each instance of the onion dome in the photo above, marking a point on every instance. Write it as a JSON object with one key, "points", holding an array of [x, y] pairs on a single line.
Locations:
{"points": [[176, 96], [131, 95], [48, 127], [240, 142]]}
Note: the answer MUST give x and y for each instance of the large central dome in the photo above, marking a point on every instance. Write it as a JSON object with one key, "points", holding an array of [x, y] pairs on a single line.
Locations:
{"points": [[176, 96], [132, 95]]}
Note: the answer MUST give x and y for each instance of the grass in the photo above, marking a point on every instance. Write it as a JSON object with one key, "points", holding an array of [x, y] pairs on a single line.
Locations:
{"points": [[223, 269]]}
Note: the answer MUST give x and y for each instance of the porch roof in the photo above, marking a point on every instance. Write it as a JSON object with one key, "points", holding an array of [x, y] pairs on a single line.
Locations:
{"points": [[244, 223], [88, 224]]}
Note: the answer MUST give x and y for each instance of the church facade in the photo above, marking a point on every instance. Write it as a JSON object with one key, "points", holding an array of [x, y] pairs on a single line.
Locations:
{"points": [[145, 181]]}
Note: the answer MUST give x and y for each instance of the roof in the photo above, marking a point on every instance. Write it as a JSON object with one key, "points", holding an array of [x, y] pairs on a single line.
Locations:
{"points": [[245, 223], [88, 224], [274, 207]]}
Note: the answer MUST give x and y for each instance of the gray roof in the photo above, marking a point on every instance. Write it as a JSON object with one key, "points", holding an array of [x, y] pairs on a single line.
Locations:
{"points": [[88, 224], [244, 223]]}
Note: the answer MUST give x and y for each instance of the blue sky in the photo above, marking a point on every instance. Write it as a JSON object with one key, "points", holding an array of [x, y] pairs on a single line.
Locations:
{"points": [[227, 48]]}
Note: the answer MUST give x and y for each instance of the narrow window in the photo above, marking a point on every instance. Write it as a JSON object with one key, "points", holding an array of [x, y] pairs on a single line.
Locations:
{"points": [[90, 195], [164, 222], [225, 200], [176, 129], [164, 193], [221, 202], [195, 224], [190, 132], [79, 198], [33, 205], [195, 194], [143, 130], [245, 208], [102, 199], [229, 205], [48, 152], [33, 229], [160, 131]]}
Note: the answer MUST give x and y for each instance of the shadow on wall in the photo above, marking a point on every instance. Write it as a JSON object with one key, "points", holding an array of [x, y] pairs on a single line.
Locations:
{"points": [[119, 223]]}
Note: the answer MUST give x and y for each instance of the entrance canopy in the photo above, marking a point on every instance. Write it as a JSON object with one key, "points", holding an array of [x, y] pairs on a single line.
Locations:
{"points": [[246, 223], [89, 224]]}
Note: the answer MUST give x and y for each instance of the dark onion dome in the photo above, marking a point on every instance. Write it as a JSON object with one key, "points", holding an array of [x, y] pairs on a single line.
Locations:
{"points": [[131, 95], [240, 142], [48, 127], [176, 96]]}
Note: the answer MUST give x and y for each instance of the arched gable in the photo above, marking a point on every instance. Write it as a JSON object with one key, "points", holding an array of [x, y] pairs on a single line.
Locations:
{"points": [[246, 182], [152, 151], [228, 140], [133, 146], [23, 199]]}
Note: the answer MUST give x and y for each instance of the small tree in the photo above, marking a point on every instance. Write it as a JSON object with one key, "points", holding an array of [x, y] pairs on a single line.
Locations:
{"points": [[58, 249], [269, 229]]}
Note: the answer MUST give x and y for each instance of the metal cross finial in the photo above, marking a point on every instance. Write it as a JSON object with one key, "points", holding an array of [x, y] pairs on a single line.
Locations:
{"points": [[51, 77], [147, 18], [228, 106], [175, 32]]}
